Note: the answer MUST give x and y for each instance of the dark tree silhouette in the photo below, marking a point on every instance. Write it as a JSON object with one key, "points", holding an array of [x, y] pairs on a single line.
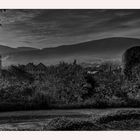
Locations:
{"points": [[131, 58]]}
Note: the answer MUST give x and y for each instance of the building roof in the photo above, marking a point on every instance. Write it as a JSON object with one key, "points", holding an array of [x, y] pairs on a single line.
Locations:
{"points": [[41, 66], [31, 66]]}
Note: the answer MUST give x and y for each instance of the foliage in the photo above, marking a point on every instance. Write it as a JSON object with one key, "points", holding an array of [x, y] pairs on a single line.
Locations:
{"points": [[116, 120], [61, 84], [69, 86], [64, 123]]}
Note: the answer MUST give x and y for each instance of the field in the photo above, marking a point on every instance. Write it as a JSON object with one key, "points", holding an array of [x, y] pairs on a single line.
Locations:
{"points": [[76, 119]]}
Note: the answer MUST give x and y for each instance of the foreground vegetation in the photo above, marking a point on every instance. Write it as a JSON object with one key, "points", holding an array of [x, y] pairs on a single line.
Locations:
{"points": [[119, 120], [69, 86], [93, 119]]}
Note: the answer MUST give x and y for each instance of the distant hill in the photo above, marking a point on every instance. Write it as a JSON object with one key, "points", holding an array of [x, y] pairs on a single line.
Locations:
{"points": [[92, 51], [25, 49], [7, 50]]}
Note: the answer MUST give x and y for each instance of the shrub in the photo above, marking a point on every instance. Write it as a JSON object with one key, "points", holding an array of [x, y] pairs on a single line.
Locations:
{"points": [[70, 86], [68, 83], [70, 124]]}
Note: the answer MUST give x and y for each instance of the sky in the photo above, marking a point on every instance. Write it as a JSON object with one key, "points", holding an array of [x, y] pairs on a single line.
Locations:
{"points": [[51, 28]]}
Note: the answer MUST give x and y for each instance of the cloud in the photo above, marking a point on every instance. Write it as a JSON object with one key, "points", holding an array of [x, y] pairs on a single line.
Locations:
{"points": [[49, 28]]}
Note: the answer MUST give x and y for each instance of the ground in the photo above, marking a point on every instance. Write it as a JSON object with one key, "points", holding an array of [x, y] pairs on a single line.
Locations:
{"points": [[104, 118]]}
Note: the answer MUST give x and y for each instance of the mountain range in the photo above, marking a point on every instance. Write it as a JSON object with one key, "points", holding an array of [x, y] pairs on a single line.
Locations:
{"points": [[90, 52]]}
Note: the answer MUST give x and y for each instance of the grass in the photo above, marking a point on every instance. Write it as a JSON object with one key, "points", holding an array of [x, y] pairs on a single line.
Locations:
{"points": [[57, 120], [64, 123], [116, 120], [119, 120]]}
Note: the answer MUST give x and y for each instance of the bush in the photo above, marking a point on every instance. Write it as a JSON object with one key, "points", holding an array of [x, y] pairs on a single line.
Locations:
{"points": [[69, 86], [116, 120], [70, 124], [63, 85]]}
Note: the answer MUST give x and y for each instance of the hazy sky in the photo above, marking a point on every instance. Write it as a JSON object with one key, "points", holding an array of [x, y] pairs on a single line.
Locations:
{"points": [[51, 28]]}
